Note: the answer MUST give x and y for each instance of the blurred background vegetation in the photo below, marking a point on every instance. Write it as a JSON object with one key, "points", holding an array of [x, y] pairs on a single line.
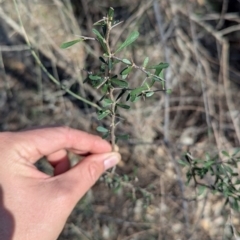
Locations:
{"points": [[200, 40]]}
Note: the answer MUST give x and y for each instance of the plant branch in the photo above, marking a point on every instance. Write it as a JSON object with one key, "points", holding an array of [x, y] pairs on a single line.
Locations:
{"points": [[139, 68], [113, 137], [111, 94]]}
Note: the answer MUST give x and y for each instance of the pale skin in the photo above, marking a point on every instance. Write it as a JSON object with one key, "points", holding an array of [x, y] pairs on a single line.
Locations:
{"points": [[34, 205]]}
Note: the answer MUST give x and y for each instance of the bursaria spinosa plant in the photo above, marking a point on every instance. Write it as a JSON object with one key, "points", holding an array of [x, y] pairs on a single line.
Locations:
{"points": [[115, 87], [218, 176]]}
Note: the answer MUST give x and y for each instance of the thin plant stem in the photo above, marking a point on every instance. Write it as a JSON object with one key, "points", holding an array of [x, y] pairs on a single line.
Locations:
{"points": [[113, 137], [111, 92]]}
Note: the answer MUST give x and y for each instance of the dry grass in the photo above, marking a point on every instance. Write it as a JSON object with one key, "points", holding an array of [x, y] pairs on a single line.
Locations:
{"points": [[201, 114]]}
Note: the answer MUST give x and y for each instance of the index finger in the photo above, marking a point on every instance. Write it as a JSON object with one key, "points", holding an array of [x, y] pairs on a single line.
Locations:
{"points": [[34, 144]]}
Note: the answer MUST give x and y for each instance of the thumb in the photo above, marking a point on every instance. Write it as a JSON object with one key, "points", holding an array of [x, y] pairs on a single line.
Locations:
{"points": [[84, 175]]}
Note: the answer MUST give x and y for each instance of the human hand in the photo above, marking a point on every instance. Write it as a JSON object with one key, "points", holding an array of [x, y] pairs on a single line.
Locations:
{"points": [[34, 205]]}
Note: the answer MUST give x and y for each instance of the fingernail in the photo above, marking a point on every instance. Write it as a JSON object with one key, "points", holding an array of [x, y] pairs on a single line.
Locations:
{"points": [[111, 161]]}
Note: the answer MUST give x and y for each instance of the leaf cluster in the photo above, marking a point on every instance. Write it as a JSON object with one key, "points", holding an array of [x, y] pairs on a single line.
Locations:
{"points": [[118, 182], [115, 87], [224, 173]]}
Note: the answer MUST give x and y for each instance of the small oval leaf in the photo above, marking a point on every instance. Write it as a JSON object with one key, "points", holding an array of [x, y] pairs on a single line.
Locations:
{"points": [[132, 97], [102, 129], [149, 94], [123, 106], [145, 63], [103, 115], [94, 77], [139, 90], [225, 153], [100, 39], [126, 61], [119, 82], [107, 100], [126, 71], [159, 66], [124, 77], [201, 190], [130, 39], [110, 13], [71, 43], [97, 33]]}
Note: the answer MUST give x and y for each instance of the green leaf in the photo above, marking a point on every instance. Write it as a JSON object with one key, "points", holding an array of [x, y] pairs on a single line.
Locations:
{"points": [[225, 153], [158, 72], [124, 77], [110, 13], [105, 88], [133, 98], [102, 68], [189, 177], [183, 163], [126, 61], [196, 161], [107, 102], [103, 115], [208, 164], [139, 90], [236, 152], [110, 65], [149, 94], [228, 169], [145, 63], [169, 91], [102, 129], [136, 98], [201, 190], [130, 39], [100, 39], [161, 75], [235, 205], [98, 34], [237, 182], [94, 77], [126, 71], [120, 83], [123, 106], [208, 157], [160, 66], [69, 44]]}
